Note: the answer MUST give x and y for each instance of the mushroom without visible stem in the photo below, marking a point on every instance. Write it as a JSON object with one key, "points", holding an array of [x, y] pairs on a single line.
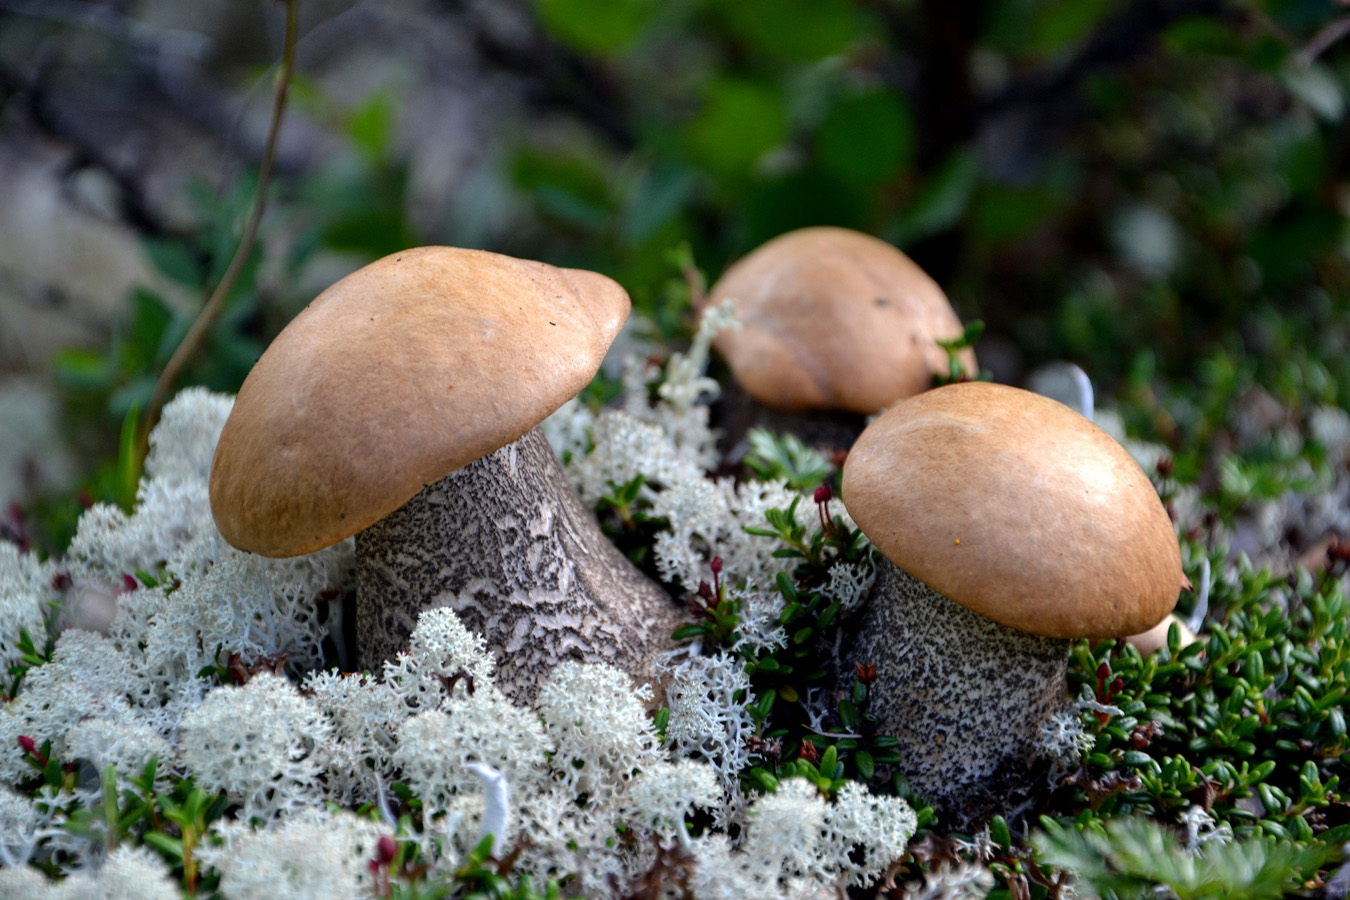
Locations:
{"points": [[1014, 525], [507, 544], [833, 321], [399, 406]]}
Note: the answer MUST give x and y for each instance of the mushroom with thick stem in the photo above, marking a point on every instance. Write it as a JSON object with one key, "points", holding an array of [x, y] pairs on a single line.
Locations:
{"points": [[1010, 526], [401, 406], [836, 324]]}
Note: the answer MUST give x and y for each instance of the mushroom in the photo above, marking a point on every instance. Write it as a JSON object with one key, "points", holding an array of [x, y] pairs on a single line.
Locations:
{"points": [[1009, 526], [833, 321], [401, 406]]}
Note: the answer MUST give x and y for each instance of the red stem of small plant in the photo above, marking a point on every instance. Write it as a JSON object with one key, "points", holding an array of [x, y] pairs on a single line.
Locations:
{"points": [[823, 496], [30, 747]]}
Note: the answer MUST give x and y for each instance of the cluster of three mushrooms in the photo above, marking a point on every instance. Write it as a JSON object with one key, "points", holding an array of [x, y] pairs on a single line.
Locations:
{"points": [[401, 406]]}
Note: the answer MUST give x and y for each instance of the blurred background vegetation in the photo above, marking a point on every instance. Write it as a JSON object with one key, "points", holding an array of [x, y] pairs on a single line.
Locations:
{"points": [[1152, 189]]}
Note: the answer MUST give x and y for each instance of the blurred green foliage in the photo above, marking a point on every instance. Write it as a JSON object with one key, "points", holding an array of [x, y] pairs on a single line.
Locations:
{"points": [[1152, 190], [1098, 181]]}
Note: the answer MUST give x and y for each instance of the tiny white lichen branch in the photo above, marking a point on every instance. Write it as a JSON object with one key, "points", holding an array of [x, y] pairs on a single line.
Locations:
{"points": [[685, 381], [496, 795], [1197, 619], [382, 802], [1098, 706]]}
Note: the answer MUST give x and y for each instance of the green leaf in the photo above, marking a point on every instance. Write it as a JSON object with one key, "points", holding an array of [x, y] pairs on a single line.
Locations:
{"points": [[175, 258], [848, 715], [943, 200], [799, 30], [760, 532], [596, 26], [82, 370], [774, 457], [999, 833], [740, 122], [765, 703], [1003, 214], [867, 139], [689, 632], [142, 345], [827, 617], [128, 460], [828, 761], [170, 847], [1060, 24], [866, 765], [1132, 857], [371, 125], [764, 779], [657, 199], [1202, 34], [799, 199]]}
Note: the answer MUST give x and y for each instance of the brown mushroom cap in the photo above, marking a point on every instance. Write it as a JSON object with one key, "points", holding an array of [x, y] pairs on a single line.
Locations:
{"points": [[834, 319], [399, 374], [1017, 508]]}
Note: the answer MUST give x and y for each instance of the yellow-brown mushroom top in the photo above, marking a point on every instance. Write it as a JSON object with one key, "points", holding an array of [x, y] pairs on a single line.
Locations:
{"points": [[1018, 508], [834, 319], [397, 375]]}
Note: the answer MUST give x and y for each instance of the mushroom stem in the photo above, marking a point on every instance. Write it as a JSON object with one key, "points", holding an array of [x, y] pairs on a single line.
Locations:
{"points": [[965, 696], [507, 544]]}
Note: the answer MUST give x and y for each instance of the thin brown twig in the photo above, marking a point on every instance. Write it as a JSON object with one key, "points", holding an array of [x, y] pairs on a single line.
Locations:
{"points": [[211, 308]]}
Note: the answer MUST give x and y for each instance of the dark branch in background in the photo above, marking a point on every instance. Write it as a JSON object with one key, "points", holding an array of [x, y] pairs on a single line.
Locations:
{"points": [[1049, 98], [1334, 31], [1032, 113], [167, 62], [554, 77], [86, 151], [133, 35], [192, 340], [945, 96]]}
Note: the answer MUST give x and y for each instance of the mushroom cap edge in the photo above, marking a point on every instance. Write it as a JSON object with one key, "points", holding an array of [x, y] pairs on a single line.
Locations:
{"points": [[398, 374], [1018, 508], [833, 318]]}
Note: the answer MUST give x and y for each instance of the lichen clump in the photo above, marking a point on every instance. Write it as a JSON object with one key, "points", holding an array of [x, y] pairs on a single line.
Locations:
{"points": [[213, 666], [203, 740]]}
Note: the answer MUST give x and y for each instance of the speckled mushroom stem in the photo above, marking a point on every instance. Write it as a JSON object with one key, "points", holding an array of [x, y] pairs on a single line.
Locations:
{"points": [[965, 696], [508, 545]]}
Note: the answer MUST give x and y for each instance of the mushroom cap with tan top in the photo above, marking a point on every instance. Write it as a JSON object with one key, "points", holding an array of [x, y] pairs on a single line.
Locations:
{"points": [[1017, 508], [834, 319], [400, 373]]}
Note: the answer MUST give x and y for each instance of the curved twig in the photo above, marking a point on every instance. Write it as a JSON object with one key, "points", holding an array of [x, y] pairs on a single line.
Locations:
{"points": [[211, 308]]}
